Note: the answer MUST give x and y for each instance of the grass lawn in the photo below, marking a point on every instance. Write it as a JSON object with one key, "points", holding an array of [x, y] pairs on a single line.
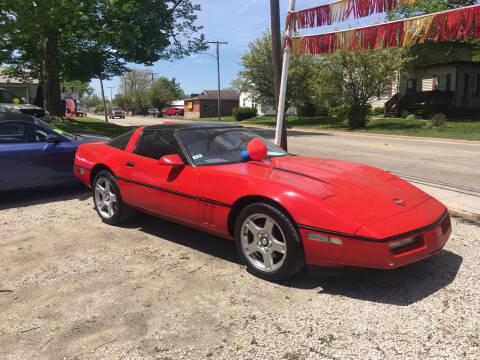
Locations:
{"points": [[451, 130], [92, 126]]}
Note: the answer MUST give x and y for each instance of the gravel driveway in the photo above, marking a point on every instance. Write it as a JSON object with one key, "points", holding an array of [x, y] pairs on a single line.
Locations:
{"points": [[74, 288]]}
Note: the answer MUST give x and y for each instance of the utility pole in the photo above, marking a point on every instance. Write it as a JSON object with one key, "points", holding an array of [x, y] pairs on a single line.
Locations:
{"points": [[104, 103], [218, 75], [125, 87], [277, 63], [283, 86], [153, 80], [111, 96]]}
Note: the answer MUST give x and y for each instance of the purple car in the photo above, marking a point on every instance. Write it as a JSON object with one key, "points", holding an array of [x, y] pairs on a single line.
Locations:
{"points": [[33, 153]]}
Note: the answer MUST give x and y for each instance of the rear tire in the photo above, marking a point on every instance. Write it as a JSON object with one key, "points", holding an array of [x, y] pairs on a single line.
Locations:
{"points": [[268, 242], [108, 200]]}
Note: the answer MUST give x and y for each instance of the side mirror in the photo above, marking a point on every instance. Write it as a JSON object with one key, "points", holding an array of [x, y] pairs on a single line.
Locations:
{"points": [[53, 139], [171, 160]]}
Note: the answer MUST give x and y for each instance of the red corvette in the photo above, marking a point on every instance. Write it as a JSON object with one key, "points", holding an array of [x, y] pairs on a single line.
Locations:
{"points": [[283, 211]]}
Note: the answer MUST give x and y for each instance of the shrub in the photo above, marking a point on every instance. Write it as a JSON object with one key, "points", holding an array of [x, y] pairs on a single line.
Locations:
{"points": [[411, 117], [438, 120], [377, 111], [358, 116], [306, 110], [243, 113], [434, 106], [405, 114], [322, 110], [339, 112]]}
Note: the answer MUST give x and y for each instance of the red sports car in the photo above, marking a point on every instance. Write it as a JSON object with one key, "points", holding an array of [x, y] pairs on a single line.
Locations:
{"points": [[283, 211]]}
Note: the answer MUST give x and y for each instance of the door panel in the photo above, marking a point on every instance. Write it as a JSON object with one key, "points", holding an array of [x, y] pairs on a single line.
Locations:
{"points": [[37, 164], [162, 190]]}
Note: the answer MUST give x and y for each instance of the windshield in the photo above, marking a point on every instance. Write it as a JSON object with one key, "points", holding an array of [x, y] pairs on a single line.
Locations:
{"points": [[221, 146], [58, 131]]}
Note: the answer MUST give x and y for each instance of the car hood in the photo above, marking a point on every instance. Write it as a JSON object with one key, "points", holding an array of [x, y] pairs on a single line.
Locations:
{"points": [[358, 191]]}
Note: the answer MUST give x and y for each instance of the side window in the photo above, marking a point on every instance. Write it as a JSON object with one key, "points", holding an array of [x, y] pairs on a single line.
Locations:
{"points": [[18, 133], [121, 142], [157, 143]]}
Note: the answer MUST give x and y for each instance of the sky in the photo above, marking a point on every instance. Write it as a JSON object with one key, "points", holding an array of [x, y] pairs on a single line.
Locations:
{"points": [[232, 21]]}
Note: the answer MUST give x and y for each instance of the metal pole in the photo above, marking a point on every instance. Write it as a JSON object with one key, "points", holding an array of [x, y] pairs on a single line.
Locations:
{"points": [[104, 103], [283, 86], [219, 89], [218, 76]]}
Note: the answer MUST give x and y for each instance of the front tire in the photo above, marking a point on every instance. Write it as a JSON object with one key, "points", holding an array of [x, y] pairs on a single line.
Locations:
{"points": [[108, 200], [268, 242]]}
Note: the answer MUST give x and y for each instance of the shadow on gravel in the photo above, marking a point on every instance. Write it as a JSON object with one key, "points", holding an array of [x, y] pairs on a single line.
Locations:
{"points": [[185, 236], [23, 198], [402, 287]]}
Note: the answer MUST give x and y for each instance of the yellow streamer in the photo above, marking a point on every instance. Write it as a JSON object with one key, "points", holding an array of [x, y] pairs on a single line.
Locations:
{"points": [[296, 43], [346, 40], [338, 11], [417, 30]]}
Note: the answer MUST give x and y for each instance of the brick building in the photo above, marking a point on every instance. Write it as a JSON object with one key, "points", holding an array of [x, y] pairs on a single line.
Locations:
{"points": [[205, 105]]}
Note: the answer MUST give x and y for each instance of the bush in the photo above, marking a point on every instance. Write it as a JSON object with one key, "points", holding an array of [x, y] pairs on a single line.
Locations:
{"points": [[243, 113], [411, 117], [377, 111], [358, 116], [306, 110], [405, 114], [438, 120], [339, 112]]}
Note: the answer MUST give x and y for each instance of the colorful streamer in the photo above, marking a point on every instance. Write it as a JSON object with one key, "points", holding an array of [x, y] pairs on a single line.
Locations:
{"points": [[340, 11], [445, 26]]}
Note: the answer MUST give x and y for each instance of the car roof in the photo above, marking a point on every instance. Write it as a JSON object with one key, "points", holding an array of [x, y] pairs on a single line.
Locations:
{"points": [[192, 125], [11, 116]]}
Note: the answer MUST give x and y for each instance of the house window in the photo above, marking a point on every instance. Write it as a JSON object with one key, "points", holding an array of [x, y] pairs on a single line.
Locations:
{"points": [[470, 85], [412, 85], [442, 83]]}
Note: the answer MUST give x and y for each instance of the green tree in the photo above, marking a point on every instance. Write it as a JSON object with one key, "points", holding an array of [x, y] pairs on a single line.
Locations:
{"points": [[164, 91], [256, 78], [363, 75], [85, 39]]}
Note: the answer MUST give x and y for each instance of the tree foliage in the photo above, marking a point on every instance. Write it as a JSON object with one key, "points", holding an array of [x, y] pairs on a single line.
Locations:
{"points": [[363, 75], [256, 78], [85, 39]]}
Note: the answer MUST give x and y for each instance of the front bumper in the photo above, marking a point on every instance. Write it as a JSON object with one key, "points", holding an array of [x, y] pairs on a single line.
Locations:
{"points": [[376, 254]]}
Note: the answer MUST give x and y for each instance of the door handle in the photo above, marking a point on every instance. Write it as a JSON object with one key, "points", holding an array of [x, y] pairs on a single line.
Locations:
{"points": [[131, 164]]}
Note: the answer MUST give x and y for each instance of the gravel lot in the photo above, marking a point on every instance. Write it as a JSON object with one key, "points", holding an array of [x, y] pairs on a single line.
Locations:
{"points": [[74, 288]]}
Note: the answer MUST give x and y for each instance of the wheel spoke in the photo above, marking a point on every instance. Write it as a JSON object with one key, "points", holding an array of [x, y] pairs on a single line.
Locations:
{"points": [[268, 261], [268, 227], [253, 228], [107, 186], [278, 246], [252, 248], [100, 189], [113, 198], [110, 209]]}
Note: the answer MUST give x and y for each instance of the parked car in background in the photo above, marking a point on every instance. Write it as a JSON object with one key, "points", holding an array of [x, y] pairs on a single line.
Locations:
{"points": [[117, 112], [34, 153], [283, 211], [10, 103], [173, 111]]}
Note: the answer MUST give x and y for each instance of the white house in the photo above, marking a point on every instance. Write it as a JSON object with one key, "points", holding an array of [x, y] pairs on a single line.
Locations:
{"points": [[263, 110]]}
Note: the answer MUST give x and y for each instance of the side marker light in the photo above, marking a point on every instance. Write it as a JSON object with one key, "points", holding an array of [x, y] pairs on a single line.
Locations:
{"points": [[324, 239]]}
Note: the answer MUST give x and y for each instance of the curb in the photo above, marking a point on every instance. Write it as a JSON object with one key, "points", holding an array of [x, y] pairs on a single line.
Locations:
{"points": [[418, 138], [465, 215]]}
